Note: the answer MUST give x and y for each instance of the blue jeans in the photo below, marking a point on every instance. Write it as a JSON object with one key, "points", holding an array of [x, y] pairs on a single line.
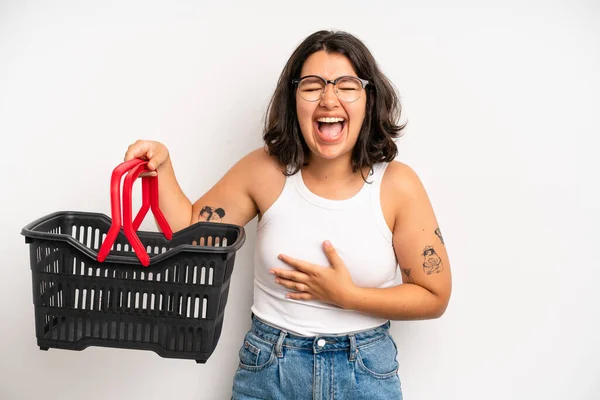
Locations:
{"points": [[277, 365]]}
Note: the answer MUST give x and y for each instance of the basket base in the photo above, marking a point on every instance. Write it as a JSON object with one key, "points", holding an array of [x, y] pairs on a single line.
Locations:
{"points": [[200, 358], [189, 340]]}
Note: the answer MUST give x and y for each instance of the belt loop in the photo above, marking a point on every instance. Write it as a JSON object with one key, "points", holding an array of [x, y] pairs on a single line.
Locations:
{"points": [[279, 345], [352, 348]]}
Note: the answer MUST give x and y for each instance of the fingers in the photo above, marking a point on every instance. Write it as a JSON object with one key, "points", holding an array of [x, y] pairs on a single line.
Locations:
{"points": [[332, 255], [154, 152], [300, 296], [297, 264], [292, 280], [289, 275], [149, 173], [137, 149], [293, 285]]}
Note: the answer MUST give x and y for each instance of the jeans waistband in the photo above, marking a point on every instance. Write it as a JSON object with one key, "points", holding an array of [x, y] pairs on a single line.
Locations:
{"points": [[325, 342]]}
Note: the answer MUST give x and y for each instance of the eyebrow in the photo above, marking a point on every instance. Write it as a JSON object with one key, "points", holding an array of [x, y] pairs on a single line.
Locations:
{"points": [[333, 79]]}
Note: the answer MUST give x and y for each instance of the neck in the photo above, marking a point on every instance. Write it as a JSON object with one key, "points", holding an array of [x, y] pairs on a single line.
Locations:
{"points": [[338, 169]]}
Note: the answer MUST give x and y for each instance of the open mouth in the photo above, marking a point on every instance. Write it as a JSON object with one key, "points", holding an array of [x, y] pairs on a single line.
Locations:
{"points": [[330, 129]]}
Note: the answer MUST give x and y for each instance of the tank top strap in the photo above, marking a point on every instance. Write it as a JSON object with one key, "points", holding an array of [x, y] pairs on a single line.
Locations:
{"points": [[376, 174]]}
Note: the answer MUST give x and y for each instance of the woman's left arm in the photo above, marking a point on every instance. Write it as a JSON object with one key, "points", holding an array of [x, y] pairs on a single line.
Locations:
{"points": [[421, 255]]}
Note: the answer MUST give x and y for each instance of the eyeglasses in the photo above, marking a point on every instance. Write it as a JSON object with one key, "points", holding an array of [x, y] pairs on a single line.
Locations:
{"points": [[347, 88]]}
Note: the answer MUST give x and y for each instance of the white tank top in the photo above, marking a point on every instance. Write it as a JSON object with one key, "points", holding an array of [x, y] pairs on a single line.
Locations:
{"points": [[296, 225]]}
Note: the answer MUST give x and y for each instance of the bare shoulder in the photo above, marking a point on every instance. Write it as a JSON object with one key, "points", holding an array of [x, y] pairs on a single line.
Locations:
{"points": [[242, 192], [402, 194], [402, 182], [258, 165], [265, 178], [261, 158]]}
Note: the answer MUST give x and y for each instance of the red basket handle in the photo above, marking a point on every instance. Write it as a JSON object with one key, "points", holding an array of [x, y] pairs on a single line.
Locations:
{"points": [[133, 168]]}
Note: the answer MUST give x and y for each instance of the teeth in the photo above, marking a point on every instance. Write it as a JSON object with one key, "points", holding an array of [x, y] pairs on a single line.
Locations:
{"points": [[330, 120]]}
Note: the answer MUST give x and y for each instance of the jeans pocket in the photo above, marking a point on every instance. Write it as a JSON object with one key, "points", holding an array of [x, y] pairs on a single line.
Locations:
{"points": [[255, 353], [379, 358]]}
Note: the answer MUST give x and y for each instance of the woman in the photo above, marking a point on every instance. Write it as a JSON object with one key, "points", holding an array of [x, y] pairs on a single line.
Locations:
{"points": [[337, 216]]}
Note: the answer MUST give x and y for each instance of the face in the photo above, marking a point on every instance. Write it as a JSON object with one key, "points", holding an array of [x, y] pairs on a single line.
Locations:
{"points": [[326, 140]]}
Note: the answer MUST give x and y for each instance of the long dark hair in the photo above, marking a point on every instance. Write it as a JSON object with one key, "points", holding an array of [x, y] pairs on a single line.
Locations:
{"points": [[375, 143]]}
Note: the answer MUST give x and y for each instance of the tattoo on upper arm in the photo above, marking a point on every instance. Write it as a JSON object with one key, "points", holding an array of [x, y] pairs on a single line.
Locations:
{"points": [[211, 214], [409, 278], [432, 263], [439, 234]]}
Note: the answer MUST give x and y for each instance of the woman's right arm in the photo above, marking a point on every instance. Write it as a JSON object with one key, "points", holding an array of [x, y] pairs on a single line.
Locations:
{"points": [[228, 200]]}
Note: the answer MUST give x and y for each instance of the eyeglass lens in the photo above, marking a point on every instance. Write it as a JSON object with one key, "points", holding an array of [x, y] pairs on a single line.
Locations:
{"points": [[347, 89]]}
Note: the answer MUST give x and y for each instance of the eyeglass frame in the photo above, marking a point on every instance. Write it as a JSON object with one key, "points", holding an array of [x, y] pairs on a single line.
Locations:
{"points": [[334, 82]]}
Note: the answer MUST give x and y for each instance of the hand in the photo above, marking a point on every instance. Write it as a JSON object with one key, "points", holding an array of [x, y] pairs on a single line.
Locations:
{"points": [[308, 281], [155, 152]]}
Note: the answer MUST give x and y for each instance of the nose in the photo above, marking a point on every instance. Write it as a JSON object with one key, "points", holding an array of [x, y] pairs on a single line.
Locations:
{"points": [[329, 98]]}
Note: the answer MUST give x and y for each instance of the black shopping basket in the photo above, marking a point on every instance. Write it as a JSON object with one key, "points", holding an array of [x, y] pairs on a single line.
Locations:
{"points": [[99, 283]]}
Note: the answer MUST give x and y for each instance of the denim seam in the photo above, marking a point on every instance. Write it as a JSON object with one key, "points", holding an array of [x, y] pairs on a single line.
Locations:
{"points": [[310, 348], [332, 350], [255, 368], [364, 343], [251, 348], [371, 343], [332, 384], [375, 374], [264, 340]]}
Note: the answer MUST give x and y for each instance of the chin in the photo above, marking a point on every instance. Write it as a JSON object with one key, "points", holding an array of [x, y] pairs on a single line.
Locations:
{"points": [[330, 151]]}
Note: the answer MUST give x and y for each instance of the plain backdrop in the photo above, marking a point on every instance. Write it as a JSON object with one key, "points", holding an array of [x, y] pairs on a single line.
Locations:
{"points": [[501, 100]]}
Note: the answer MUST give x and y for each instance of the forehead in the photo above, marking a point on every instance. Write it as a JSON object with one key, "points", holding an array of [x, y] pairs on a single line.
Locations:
{"points": [[327, 65]]}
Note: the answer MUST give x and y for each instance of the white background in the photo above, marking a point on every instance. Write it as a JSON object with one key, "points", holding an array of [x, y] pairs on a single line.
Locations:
{"points": [[502, 103]]}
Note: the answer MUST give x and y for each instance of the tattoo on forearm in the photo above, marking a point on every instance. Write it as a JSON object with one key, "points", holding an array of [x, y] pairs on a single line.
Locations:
{"points": [[432, 263], [409, 278], [439, 234], [211, 214]]}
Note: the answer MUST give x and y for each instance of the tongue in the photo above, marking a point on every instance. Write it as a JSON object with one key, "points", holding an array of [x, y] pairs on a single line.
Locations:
{"points": [[330, 130]]}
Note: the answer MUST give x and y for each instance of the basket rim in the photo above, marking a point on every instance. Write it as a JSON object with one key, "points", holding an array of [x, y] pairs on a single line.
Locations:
{"points": [[29, 232]]}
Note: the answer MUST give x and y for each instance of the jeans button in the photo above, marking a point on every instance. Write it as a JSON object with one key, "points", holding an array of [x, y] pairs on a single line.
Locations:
{"points": [[321, 342]]}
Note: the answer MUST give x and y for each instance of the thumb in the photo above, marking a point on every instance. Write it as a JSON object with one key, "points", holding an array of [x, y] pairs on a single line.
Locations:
{"points": [[332, 255]]}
